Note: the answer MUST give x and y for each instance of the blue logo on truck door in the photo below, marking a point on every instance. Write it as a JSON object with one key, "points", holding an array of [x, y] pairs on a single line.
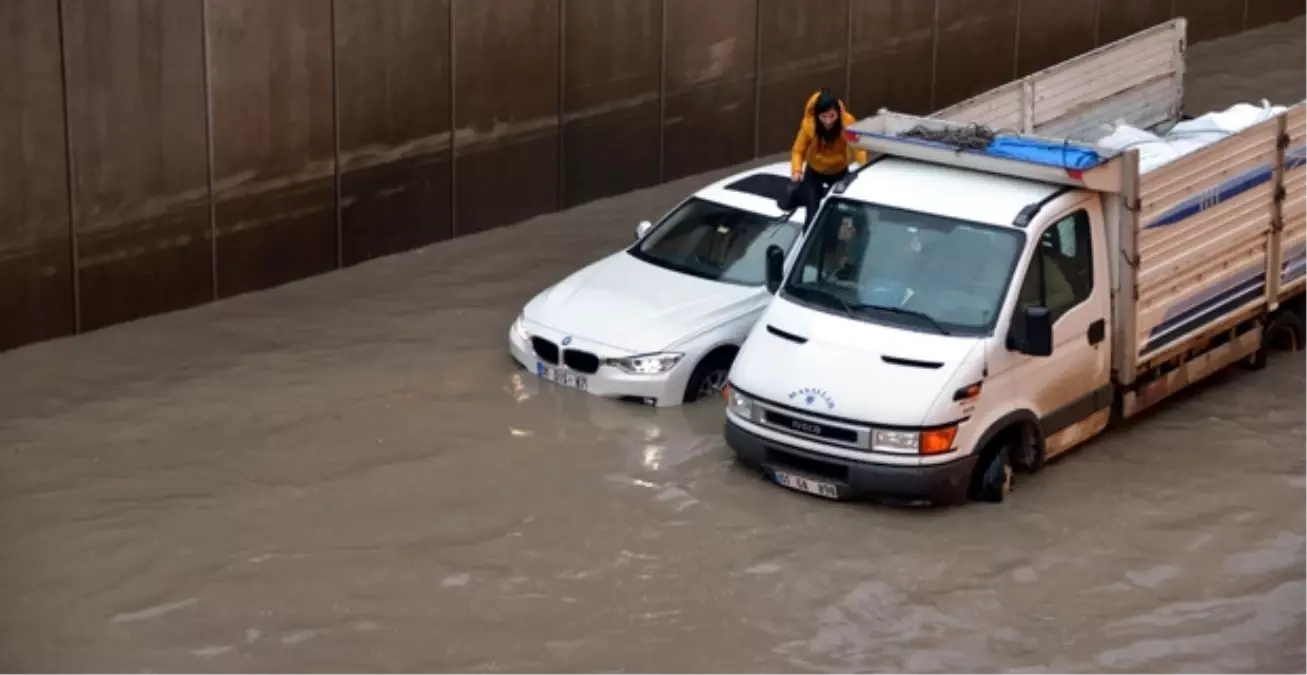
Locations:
{"points": [[811, 396]]}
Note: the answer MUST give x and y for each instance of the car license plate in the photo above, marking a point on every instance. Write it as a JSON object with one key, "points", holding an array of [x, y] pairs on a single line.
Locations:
{"points": [[808, 485], [566, 378]]}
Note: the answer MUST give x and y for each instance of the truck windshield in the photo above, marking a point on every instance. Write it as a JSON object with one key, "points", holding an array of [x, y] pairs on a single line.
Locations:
{"points": [[716, 242], [919, 271]]}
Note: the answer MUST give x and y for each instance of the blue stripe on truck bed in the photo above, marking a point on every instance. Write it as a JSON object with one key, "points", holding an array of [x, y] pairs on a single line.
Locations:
{"points": [[1227, 190], [1228, 295]]}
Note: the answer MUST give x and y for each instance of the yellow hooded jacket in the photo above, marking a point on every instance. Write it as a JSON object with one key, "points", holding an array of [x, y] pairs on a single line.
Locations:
{"points": [[827, 158]]}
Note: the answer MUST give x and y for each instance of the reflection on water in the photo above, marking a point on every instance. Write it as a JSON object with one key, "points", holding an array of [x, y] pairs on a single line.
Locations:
{"points": [[522, 387], [653, 457]]}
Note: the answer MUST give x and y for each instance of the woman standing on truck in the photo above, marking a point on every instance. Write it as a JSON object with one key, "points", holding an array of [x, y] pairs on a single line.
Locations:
{"points": [[820, 144]]}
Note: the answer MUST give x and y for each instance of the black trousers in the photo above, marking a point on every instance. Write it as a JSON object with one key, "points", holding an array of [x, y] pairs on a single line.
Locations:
{"points": [[812, 189]]}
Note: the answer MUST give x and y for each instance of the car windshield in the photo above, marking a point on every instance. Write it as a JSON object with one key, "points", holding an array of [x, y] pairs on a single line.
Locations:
{"points": [[923, 272], [716, 242]]}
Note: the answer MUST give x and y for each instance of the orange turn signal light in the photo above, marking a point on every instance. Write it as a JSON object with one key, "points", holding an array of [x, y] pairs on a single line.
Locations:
{"points": [[968, 392], [937, 441]]}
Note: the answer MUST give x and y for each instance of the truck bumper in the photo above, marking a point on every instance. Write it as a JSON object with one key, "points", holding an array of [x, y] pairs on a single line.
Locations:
{"points": [[939, 483]]}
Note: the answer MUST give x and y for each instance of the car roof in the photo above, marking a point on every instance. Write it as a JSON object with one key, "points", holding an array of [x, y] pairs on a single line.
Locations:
{"points": [[947, 191], [755, 190]]}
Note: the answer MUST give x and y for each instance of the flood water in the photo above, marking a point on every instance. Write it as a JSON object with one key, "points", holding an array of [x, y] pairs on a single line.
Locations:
{"points": [[349, 474]]}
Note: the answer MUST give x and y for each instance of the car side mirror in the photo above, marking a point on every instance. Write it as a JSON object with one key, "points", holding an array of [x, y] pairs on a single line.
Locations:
{"points": [[1033, 335], [642, 229], [775, 268]]}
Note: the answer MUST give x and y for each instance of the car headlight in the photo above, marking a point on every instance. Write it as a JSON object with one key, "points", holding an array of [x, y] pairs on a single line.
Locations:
{"points": [[739, 403], [646, 364], [932, 442], [519, 329]]}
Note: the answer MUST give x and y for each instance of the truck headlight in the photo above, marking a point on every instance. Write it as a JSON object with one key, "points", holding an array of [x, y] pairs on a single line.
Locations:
{"points": [[646, 364], [886, 440], [932, 442], [739, 403], [519, 329]]}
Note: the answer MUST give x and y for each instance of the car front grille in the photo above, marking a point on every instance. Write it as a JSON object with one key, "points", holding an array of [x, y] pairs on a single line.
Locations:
{"points": [[546, 350], [581, 362]]}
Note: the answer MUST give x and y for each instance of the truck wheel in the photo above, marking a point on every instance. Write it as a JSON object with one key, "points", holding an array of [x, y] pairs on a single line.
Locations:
{"points": [[992, 479], [1283, 331], [1027, 451], [709, 376]]}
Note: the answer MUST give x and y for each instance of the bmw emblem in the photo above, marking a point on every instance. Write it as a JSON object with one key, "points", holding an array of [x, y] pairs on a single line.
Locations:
{"points": [[567, 340]]}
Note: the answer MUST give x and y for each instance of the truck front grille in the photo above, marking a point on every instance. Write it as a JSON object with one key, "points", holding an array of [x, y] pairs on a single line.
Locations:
{"points": [[809, 428]]}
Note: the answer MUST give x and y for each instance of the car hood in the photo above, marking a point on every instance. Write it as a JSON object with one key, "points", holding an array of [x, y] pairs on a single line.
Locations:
{"points": [[849, 368], [634, 306]]}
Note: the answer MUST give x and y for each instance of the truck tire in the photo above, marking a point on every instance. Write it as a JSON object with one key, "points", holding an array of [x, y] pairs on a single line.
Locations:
{"points": [[1285, 329], [992, 479]]}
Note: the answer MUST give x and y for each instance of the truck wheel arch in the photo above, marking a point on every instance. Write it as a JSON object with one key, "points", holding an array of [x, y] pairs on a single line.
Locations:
{"points": [[1286, 324], [1030, 455], [1282, 330]]}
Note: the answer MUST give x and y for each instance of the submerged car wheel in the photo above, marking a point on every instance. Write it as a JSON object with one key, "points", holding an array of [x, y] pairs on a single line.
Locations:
{"points": [[709, 377]]}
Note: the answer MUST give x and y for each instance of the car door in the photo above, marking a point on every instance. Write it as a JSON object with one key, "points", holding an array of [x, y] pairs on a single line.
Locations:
{"points": [[1068, 274]]}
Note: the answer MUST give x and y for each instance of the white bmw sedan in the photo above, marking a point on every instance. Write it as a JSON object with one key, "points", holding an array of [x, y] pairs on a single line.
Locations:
{"points": [[660, 322]]}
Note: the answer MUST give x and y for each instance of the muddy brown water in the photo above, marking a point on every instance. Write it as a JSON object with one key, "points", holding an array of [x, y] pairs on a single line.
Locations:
{"points": [[348, 474]]}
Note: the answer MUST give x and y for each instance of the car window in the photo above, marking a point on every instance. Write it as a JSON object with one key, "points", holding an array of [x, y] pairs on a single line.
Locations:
{"points": [[1061, 274], [717, 242]]}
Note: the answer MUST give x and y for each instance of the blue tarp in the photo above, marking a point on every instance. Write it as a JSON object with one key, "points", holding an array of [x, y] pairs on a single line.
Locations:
{"points": [[1040, 152]]}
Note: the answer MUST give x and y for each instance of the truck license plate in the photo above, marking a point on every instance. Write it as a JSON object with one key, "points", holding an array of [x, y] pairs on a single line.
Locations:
{"points": [[808, 485], [566, 378]]}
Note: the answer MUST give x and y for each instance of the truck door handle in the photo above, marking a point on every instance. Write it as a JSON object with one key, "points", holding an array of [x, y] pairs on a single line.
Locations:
{"points": [[1097, 331]]}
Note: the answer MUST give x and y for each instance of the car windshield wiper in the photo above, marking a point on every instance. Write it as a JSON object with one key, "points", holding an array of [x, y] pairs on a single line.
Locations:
{"points": [[823, 293], [908, 312]]}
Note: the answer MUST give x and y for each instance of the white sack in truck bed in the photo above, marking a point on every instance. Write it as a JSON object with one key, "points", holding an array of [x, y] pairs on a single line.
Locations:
{"points": [[1187, 136]]}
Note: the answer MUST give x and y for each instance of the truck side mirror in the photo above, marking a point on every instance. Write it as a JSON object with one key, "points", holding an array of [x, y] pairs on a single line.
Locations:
{"points": [[1033, 334], [775, 268], [642, 229]]}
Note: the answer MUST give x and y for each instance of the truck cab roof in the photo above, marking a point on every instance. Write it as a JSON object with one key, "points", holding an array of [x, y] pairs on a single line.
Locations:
{"points": [[947, 191]]}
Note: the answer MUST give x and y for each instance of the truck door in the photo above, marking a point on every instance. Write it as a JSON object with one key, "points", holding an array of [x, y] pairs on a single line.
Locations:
{"points": [[1068, 274]]}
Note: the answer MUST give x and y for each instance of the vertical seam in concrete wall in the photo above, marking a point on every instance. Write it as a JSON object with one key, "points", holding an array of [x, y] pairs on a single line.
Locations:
{"points": [[1098, 20], [453, 128], [207, 83], [1243, 22], [335, 142], [662, 92], [934, 56], [848, 53], [69, 175], [1174, 6], [757, 77], [1016, 42], [561, 199]]}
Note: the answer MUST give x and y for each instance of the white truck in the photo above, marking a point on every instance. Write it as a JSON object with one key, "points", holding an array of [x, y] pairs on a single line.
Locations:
{"points": [[970, 304]]}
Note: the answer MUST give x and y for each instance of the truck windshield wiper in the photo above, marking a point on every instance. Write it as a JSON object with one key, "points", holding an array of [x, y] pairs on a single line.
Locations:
{"points": [[908, 312], [853, 310], [823, 293]]}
